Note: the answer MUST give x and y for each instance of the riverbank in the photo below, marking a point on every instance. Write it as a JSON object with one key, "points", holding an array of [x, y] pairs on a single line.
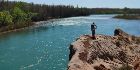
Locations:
{"points": [[130, 17], [12, 28], [7, 29], [117, 52]]}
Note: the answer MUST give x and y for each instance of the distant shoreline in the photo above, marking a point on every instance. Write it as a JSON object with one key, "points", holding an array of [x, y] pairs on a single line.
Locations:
{"points": [[128, 16]]}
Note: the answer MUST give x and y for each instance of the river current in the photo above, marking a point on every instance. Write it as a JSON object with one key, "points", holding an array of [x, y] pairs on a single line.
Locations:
{"points": [[46, 45]]}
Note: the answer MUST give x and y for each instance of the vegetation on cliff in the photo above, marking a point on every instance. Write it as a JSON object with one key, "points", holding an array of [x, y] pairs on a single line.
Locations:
{"points": [[15, 18]]}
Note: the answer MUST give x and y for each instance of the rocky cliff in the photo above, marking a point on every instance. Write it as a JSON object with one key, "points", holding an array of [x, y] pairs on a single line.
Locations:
{"points": [[118, 52]]}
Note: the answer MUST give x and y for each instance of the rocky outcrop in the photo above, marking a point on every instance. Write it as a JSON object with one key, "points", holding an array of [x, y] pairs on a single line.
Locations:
{"points": [[106, 52]]}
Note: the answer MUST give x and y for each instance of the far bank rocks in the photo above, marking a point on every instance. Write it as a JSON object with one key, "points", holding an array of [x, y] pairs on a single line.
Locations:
{"points": [[106, 52]]}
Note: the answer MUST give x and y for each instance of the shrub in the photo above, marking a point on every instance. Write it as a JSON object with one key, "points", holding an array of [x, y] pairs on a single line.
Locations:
{"points": [[5, 18]]}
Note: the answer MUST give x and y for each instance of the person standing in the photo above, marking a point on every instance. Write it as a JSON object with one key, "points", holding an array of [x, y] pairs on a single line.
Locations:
{"points": [[93, 27]]}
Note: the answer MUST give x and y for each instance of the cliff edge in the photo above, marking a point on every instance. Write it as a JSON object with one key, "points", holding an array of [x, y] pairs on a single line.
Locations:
{"points": [[106, 52]]}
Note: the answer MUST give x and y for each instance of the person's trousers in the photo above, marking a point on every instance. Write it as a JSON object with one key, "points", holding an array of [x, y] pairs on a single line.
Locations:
{"points": [[93, 34]]}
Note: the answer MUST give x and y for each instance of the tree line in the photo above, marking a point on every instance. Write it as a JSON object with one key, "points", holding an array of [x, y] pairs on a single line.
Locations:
{"points": [[45, 11], [16, 14]]}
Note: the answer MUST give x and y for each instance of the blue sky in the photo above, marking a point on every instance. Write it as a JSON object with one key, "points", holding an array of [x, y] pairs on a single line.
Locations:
{"points": [[90, 3]]}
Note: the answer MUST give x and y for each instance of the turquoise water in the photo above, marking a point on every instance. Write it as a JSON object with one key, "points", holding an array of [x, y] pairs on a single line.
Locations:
{"points": [[46, 47]]}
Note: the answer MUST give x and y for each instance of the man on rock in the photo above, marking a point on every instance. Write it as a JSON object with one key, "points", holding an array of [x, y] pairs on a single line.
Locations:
{"points": [[93, 27]]}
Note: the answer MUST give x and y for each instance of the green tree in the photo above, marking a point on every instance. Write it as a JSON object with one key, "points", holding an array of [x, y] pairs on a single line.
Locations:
{"points": [[5, 18], [125, 11], [30, 15], [19, 16]]}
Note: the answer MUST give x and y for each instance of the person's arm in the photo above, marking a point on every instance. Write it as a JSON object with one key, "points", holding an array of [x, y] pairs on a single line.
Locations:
{"points": [[95, 27], [91, 27]]}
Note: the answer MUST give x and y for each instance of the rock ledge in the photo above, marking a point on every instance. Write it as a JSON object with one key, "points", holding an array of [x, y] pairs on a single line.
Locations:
{"points": [[106, 52]]}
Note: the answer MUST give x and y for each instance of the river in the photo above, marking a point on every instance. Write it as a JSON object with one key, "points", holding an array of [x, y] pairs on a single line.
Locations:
{"points": [[46, 46]]}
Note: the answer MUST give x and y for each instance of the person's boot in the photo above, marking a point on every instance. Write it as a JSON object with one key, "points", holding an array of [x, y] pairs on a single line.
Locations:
{"points": [[93, 37]]}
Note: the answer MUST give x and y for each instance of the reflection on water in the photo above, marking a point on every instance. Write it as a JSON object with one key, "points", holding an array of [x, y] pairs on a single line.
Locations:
{"points": [[45, 47]]}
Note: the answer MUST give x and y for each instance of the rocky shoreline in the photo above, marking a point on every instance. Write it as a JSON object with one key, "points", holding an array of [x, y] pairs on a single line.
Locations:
{"points": [[106, 52]]}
